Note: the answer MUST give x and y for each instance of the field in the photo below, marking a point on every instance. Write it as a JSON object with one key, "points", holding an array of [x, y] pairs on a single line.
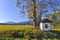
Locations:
{"points": [[27, 32], [15, 27]]}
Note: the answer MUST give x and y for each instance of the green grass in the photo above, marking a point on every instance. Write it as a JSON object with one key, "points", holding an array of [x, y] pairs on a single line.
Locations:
{"points": [[28, 30], [15, 27]]}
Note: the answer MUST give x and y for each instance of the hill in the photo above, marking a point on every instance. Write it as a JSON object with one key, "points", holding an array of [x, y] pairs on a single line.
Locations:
{"points": [[25, 22], [19, 23]]}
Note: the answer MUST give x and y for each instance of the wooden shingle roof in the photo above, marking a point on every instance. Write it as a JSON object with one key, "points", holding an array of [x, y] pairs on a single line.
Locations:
{"points": [[47, 20]]}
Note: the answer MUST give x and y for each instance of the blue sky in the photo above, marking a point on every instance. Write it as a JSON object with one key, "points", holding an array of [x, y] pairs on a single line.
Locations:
{"points": [[9, 12]]}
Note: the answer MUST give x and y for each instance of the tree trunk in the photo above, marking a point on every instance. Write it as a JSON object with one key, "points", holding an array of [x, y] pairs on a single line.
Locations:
{"points": [[34, 14], [39, 21], [39, 18]]}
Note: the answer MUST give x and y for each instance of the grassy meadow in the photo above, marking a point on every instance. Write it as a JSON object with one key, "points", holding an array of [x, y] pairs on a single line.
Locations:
{"points": [[15, 27], [27, 32]]}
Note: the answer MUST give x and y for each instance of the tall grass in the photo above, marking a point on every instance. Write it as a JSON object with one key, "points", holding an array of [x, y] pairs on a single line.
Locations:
{"points": [[15, 27], [28, 31]]}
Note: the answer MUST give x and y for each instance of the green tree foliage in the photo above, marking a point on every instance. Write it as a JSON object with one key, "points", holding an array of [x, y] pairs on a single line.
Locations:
{"points": [[36, 8], [55, 16]]}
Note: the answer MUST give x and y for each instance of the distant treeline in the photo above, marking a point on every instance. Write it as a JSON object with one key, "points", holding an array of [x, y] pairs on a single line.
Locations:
{"points": [[14, 24]]}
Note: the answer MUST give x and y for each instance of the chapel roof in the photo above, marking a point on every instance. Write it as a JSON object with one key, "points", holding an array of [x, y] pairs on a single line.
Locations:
{"points": [[46, 20]]}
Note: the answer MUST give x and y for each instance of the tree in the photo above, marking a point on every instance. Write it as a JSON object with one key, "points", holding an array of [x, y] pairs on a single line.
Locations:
{"points": [[51, 16], [55, 16], [38, 8]]}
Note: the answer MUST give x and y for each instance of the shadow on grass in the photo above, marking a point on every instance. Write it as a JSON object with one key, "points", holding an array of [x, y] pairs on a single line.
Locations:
{"points": [[53, 34]]}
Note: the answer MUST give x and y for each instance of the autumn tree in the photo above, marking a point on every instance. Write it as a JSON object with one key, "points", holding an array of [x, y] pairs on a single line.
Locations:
{"points": [[55, 17], [37, 8]]}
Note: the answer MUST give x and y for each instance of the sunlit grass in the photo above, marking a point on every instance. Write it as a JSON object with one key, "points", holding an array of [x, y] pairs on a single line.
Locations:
{"points": [[30, 29], [21, 27], [56, 28], [15, 27]]}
